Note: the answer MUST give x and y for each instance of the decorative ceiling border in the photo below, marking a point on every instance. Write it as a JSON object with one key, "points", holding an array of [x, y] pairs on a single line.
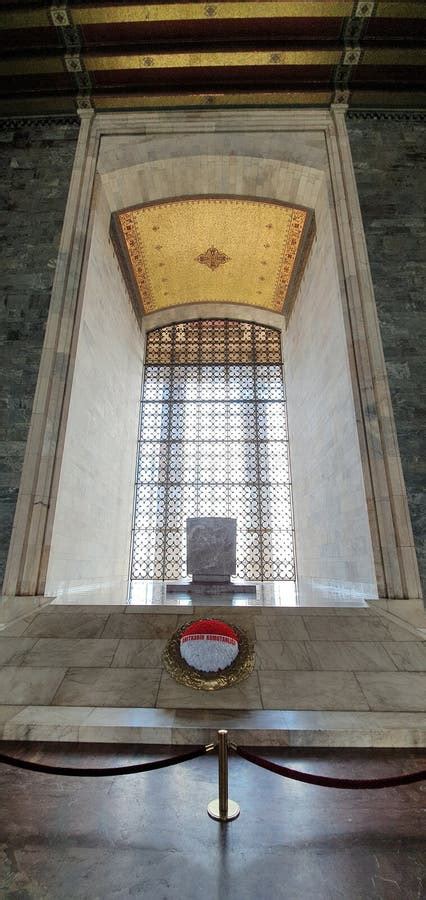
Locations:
{"points": [[391, 115], [290, 280], [71, 38], [41, 108], [352, 52], [46, 121], [11, 122]]}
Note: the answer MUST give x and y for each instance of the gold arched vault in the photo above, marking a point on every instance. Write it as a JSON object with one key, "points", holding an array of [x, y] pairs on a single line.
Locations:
{"points": [[212, 249]]}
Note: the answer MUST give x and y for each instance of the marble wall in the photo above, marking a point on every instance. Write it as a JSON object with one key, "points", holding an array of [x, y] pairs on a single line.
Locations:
{"points": [[333, 546], [92, 526], [389, 160], [35, 161]]}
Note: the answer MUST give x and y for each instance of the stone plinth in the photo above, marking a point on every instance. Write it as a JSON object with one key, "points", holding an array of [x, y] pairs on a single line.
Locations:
{"points": [[335, 676]]}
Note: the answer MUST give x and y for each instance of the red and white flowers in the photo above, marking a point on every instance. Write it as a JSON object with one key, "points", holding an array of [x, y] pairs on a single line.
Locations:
{"points": [[209, 645]]}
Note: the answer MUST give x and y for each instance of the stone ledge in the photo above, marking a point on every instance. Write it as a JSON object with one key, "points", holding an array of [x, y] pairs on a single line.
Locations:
{"points": [[411, 614], [14, 608], [262, 728]]}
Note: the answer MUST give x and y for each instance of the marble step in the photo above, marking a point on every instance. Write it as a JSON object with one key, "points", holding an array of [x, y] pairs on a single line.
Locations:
{"points": [[258, 728], [323, 677]]}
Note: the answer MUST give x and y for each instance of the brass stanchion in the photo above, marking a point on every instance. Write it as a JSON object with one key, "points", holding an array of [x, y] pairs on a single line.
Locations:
{"points": [[223, 809]]}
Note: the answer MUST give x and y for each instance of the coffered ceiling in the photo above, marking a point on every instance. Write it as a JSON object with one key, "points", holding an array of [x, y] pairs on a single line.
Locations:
{"points": [[212, 249], [121, 55]]}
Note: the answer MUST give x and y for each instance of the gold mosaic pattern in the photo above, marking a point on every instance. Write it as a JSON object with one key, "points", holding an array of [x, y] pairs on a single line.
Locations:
{"points": [[259, 240], [156, 12], [212, 258], [97, 62], [107, 13], [240, 669]]}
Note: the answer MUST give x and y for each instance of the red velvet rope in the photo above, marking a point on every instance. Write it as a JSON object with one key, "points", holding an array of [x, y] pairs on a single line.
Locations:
{"points": [[96, 773], [306, 777], [326, 781]]}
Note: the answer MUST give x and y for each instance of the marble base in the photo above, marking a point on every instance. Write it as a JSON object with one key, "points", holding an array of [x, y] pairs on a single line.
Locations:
{"points": [[202, 586], [323, 677], [211, 579], [256, 728]]}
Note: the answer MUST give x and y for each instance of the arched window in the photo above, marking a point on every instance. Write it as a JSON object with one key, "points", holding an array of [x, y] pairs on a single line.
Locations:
{"points": [[213, 442]]}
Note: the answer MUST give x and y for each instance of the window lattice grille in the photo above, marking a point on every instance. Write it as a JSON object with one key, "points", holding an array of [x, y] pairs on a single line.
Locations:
{"points": [[213, 442]]}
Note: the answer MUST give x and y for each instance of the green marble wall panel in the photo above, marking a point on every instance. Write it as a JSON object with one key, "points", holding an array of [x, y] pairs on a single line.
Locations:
{"points": [[35, 168], [389, 159]]}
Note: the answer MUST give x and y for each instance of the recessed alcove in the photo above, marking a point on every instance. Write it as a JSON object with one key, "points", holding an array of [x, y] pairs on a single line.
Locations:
{"points": [[352, 535], [91, 531]]}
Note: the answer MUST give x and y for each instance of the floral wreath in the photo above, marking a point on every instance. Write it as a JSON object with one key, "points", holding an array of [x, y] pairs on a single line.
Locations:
{"points": [[209, 654]]}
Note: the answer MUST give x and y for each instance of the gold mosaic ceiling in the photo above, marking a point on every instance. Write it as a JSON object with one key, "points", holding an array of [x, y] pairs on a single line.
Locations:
{"points": [[212, 249]]}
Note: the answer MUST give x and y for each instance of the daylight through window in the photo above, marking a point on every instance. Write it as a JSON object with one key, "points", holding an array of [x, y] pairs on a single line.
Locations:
{"points": [[213, 442]]}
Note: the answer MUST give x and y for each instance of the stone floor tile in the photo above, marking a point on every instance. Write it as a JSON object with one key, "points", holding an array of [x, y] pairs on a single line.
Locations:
{"points": [[70, 625], [16, 629], [409, 656], [29, 685], [405, 691], [13, 649], [398, 633], [139, 653], [311, 690], [149, 836], [289, 628], [245, 695], [282, 655], [155, 626], [108, 687], [71, 652], [349, 656], [355, 628], [9, 712], [85, 609]]}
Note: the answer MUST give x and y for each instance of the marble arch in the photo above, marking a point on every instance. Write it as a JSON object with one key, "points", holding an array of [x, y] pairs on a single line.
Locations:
{"points": [[353, 533]]}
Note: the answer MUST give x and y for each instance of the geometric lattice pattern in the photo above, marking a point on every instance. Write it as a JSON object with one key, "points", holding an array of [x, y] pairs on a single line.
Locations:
{"points": [[213, 442]]}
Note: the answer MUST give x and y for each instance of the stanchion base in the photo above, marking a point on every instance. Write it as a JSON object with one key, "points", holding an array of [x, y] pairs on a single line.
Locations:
{"points": [[233, 811]]}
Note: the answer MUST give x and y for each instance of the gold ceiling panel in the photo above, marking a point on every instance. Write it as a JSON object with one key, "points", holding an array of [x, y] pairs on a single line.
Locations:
{"points": [[111, 62], [155, 12], [212, 249], [24, 18], [396, 10], [394, 56], [105, 13], [95, 62], [29, 65]]}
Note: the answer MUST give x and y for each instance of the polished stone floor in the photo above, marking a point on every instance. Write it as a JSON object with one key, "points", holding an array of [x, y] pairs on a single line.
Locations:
{"points": [[149, 835]]}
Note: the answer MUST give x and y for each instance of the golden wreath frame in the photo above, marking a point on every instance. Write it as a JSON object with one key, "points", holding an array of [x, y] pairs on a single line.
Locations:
{"points": [[240, 669]]}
